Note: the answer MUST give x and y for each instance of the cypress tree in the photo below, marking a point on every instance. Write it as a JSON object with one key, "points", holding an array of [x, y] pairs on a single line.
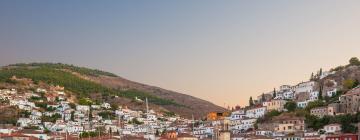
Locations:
{"points": [[274, 93], [251, 102], [263, 97]]}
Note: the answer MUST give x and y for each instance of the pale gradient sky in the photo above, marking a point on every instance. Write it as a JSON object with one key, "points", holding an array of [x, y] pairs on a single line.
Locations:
{"points": [[221, 51]]}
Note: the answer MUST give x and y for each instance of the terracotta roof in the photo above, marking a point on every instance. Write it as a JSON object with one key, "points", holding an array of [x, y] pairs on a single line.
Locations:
{"points": [[17, 135], [322, 107], [30, 131], [185, 135], [288, 116], [260, 137], [354, 91], [344, 134], [333, 124]]}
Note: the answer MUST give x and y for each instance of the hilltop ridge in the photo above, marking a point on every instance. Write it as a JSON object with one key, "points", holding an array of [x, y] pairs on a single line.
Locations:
{"points": [[104, 86]]}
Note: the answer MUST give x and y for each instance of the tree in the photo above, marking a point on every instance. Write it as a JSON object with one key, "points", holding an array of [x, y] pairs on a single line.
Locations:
{"points": [[85, 101], [349, 84], [314, 104], [251, 102], [263, 97], [315, 122], [356, 83], [274, 93], [354, 61], [273, 113], [72, 117], [346, 124], [338, 68], [312, 76], [320, 72], [290, 106], [320, 92], [72, 105], [114, 106], [136, 121]]}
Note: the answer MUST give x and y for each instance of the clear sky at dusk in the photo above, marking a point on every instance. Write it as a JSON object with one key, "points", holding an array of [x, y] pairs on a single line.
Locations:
{"points": [[221, 51]]}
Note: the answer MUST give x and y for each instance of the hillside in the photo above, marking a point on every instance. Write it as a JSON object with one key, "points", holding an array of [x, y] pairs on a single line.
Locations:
{"points": [[104, 86], [345, 77]]}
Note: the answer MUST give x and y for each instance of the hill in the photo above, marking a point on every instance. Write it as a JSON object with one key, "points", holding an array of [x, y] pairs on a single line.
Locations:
{"points": [[102, 86]]}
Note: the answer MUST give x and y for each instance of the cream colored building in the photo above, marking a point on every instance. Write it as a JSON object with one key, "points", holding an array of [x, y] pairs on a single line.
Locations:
{"points": [[288, 128], [276, 104], [289, 123], [224, 135]]}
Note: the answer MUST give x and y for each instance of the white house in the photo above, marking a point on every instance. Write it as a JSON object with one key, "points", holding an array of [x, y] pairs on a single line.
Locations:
{"points": [[304, 87], [74, 128], [82, 108], [314, 95], [331, 93], [151, 117], [203, 131], [256, 112], [41, 90], [95, 106], [106, 105], [302, 104], [263, 133], [245, 124], [236, 115], [23, 104], [24, 122], [326, 73], [332, 128], [285, 88], [288, 95]]}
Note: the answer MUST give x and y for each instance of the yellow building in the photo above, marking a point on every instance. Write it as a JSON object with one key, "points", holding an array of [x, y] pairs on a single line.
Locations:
{"points": [[288, 127], [213, 116], [224, 135], [276, 104], [289, 123]]}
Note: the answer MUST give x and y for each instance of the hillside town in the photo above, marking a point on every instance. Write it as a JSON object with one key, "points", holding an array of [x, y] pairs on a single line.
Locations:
{"points": [[47, 113], [321, 108], [324, 108]]}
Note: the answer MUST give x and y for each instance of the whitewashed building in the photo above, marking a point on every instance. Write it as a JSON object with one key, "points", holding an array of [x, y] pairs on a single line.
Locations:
{"points": [[256, 112], [314, 95], [332, 128], [304, 87]]}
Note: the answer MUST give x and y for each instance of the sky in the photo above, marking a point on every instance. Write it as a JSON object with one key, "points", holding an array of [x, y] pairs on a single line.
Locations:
{"points": [[220, 51]]}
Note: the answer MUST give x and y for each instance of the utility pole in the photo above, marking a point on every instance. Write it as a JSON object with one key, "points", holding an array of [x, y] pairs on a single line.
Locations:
{"points": [[147, 105]]}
